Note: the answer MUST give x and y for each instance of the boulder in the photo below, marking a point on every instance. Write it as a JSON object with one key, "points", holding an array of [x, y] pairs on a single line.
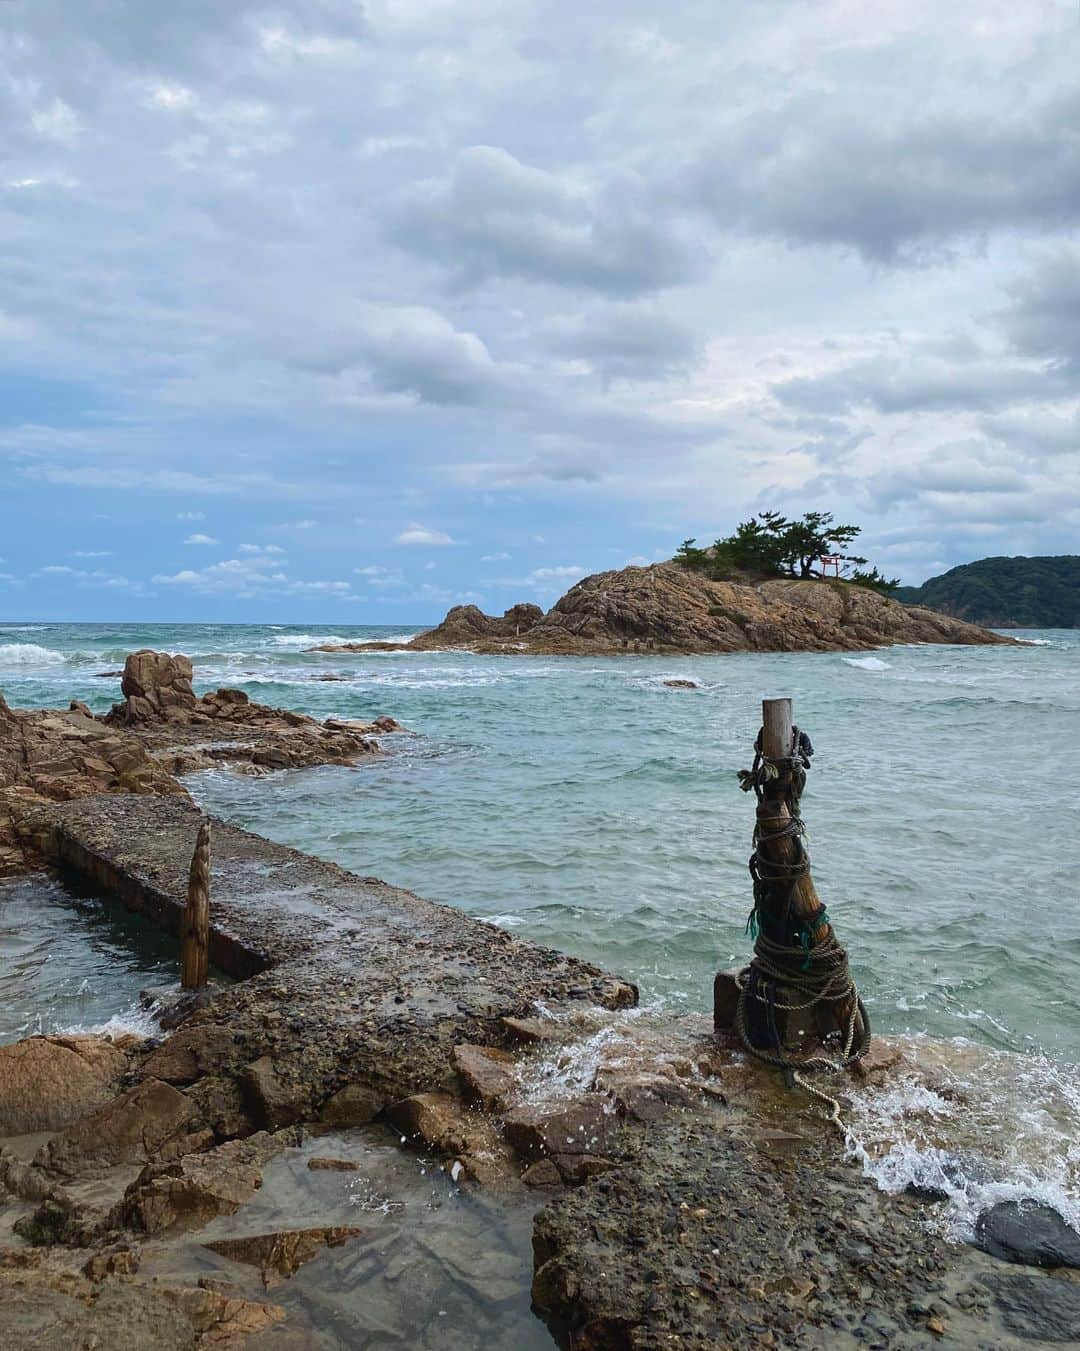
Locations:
{"points": [[1028, 1232], [281, 1254], [47, 1083], [151, 1120], [487, 1072], [353, 1105], [273, 1095], [551, 1130], [189, 1192], [440, 1121]]}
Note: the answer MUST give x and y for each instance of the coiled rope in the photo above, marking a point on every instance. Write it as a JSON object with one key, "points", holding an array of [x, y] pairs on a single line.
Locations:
{"points": [[799, 953]]}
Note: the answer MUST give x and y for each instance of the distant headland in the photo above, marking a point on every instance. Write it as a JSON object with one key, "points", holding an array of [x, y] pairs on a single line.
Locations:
{"points": [[1006, 593]]}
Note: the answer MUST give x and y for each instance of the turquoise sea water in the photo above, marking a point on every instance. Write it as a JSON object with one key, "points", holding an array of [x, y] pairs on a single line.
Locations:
{"points": [[582, 803]]}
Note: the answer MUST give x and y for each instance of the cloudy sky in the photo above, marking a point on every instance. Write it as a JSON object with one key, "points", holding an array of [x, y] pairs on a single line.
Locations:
{"points": [[334, 311]]}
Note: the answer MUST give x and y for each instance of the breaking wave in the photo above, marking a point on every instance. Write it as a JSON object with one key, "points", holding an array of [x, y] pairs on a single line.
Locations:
{"points": [[29, 654], [869, 663]]}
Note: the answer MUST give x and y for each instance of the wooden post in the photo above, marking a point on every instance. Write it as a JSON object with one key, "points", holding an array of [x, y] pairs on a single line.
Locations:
{"points": [[772, 812], [195, 934]]}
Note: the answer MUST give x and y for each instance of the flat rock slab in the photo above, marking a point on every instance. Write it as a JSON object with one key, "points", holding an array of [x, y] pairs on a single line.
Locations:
{"points": [[1029, 1233], [344, 979]]}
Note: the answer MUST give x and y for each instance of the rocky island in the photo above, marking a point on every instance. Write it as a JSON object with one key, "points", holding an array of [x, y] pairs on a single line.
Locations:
{"points": [[669, 609]]}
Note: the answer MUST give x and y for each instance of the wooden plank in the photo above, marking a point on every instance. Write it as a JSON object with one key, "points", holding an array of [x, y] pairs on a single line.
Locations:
{"points": [[195, 935]]}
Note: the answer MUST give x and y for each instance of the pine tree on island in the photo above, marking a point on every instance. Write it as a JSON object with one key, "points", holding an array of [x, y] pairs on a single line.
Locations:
{"points": [[771, 545]]}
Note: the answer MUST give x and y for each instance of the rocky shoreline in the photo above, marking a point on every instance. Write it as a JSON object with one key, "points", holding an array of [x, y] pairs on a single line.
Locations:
{"points": [[199, 1187], [670, 610], [160, 731]]}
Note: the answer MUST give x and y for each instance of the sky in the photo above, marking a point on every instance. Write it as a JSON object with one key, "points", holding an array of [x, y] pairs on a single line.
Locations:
{"points": [[335, 312]]}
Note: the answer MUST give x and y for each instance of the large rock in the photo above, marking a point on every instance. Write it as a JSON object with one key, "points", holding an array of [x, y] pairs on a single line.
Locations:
{"points": [[666, 608], [441, 1122], [189, 1192], [152, 1120], [1028, 1232], [487, 1072], [47, 1083], [57, 757]]}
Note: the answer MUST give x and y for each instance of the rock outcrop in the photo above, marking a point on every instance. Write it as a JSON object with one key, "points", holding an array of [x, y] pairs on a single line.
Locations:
{"points": [[186, 733], [52, 756], [160, 731], [669, 609], [47, 1083]]}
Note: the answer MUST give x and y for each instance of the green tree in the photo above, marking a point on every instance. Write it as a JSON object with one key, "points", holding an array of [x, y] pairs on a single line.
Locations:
{"points": [[775, 546]]}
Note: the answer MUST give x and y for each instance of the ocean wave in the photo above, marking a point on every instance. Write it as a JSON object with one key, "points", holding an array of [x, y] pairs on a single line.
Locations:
{"points": [[302, 640], [974, 1127], [869, 663], [13, 655]]}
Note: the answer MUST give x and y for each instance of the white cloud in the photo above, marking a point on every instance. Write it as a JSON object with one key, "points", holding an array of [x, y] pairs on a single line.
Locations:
{"points": [[245, 577], [191, 515], [494, 558], [92, 553], [200, 539], [261, 549], [415, 533]]}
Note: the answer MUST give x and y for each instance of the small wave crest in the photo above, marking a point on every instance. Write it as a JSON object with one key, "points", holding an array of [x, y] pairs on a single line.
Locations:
{"points": [[16, 655], [972, 1127], [869, 663]]}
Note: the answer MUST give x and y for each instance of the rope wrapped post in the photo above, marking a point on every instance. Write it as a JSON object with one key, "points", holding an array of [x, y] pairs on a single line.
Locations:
{"points": [[195, 931], [798, 979]]}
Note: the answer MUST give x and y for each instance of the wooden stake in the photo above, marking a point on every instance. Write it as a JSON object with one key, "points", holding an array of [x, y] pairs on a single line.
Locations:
{"points": [[772, 813], [195, 934]]}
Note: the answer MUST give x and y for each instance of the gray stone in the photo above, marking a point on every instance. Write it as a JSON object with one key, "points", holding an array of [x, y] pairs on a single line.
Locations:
{"points": [[1028, 1232]]}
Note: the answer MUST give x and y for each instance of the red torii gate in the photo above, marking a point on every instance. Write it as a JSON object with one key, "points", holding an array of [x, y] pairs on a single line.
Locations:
{"points": [[828, 561]]}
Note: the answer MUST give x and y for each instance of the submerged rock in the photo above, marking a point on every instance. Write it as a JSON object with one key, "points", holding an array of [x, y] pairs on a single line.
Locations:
{"points": [[1038, 1308], [171, 1197], [1028, 1232], [281, 1254]]}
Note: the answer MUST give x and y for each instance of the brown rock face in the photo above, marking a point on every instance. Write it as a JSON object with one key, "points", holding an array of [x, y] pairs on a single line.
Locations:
{"points": [[666, 608], [487, 1072], [58, 756], [47, 1083], [282, 1254], [156, 685], [185, 733], [173, 1197], [137, 1126]]}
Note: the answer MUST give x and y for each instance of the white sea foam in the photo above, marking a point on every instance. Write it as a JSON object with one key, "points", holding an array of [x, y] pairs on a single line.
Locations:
{"points": [[15, 655], [302, 640], [975, 1126], [137, 1020], [869, 663]]}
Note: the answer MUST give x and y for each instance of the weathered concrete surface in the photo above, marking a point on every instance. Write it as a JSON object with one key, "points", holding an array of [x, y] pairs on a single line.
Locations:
{"points": [[350, 981]]}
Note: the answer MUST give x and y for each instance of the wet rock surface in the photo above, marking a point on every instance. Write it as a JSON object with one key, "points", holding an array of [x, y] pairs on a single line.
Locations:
{"points": [[1030, 1233], [280, 1255], [350, 981], [1039, 1308], [665, 608]]}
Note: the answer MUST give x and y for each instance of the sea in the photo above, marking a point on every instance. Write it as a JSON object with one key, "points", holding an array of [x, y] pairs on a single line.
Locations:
{"points": [[586, 804]]}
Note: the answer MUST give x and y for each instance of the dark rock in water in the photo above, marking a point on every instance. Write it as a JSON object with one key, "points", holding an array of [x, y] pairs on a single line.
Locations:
{"points": [[109, 675], [1039, 1308], [954, 1173], [682, 684], [1028, 1232]]}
